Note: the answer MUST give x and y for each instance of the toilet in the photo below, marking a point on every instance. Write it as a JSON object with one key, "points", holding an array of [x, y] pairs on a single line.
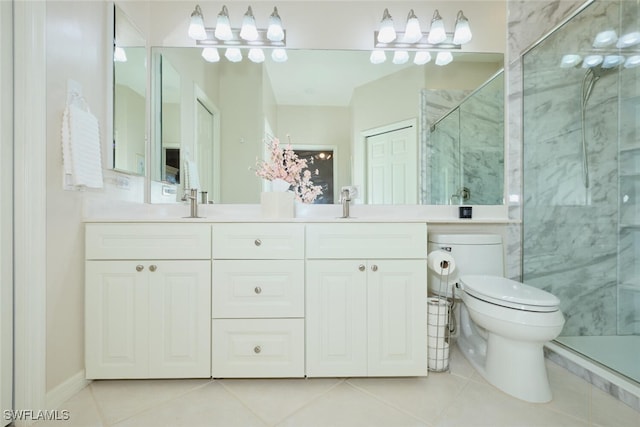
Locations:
{"points": [[503, 324]]}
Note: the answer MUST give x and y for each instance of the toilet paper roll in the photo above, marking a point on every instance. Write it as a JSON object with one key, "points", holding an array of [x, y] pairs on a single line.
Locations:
{"points": [[441, 262]]}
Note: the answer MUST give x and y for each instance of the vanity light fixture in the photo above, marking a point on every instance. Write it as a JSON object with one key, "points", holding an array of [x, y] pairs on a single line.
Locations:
{"points": [[605, 38], [248, 36], [591, 61], [611, 61], [628, 40], [412, 39]]}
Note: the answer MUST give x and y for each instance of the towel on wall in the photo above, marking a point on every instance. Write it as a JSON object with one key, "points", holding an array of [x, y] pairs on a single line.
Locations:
{"points": [[81, 146]]}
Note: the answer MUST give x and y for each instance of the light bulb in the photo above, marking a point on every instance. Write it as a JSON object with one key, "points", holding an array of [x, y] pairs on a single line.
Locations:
{"points": [[605, 38], [256, 55], [412, 32], [437, 34], [443, 58], [628, 40], [592, 61], [422, 57], [248, 31], [632, 61], [279, 55], [377, 57], [210, 54], [387, 33], [400, 57], [462, 33], [275, 33], [196, 25], [223, 26], [570, 60], [233, 54], [119, 55], [611, 61]]}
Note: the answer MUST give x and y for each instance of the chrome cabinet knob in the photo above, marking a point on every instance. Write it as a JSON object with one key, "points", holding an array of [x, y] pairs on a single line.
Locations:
{"points": [[361, 267], [374, 267], [153, 268], [257, 349], [257, 290], [257, 242], [139, 267]]}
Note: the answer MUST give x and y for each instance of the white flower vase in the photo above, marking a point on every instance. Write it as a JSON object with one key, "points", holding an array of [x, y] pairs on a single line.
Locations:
{"points": [[278, 204]]}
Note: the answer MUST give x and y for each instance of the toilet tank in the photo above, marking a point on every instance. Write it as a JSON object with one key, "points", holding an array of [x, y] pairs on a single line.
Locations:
{"points": [[472, 254]]}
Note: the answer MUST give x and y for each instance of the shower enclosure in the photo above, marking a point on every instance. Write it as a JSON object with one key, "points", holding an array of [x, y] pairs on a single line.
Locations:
{"points": [[581, 216]]}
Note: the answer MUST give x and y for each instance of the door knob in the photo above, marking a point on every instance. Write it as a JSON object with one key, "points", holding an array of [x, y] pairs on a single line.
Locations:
{"points": [[139, 267], [374, 267], [153, 268]]}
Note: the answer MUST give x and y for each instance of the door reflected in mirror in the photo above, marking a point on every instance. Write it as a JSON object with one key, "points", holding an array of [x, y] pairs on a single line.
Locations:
{"points": [[129, 97]]}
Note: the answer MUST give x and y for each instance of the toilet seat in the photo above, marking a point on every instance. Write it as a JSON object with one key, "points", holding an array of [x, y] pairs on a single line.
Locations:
{"points": [[509, 293]]}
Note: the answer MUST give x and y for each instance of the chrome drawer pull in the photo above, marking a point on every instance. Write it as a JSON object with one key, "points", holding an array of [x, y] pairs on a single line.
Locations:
{"points": [[139, 267], [374, 268], [361, 267], [257, 349], [257, 242], [153, 268], [257, 290]]}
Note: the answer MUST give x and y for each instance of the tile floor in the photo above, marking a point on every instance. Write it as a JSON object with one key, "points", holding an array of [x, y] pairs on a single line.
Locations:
{"points": [[460, 398]]}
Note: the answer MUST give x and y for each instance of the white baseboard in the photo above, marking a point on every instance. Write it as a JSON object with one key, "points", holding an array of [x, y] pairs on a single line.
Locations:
{"points": [[61, 393]]}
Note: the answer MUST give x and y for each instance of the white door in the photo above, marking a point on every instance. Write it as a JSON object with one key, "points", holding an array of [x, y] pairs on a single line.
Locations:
{"points": [[392, 167], [336, 318], [204, 147], [116, 313], [179, 319], [6, 211], [397, 317]]}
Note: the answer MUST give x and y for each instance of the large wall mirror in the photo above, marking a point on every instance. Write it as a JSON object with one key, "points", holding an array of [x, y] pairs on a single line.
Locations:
{"points": [[129, 97], [320, 99]]}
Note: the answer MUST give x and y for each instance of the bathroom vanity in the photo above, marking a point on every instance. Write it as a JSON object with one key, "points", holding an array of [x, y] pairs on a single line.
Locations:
{"points": [[230, 299]]}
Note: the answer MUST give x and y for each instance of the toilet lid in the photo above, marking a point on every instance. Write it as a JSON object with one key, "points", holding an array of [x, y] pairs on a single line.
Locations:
{"points": [[509, 293]]}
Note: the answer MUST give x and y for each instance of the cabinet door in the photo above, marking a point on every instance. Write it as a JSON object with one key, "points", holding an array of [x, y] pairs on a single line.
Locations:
{"points": [[336, 318], [116, 312], [179, 319], [397, 318]]}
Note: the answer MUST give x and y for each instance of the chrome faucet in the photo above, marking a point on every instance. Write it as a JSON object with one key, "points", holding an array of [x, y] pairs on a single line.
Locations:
{"points": [[192, 197], [345, 198]]}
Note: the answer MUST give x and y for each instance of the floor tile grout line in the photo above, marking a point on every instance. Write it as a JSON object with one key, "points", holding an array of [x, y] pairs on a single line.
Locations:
{"points": [[155, 405], [442, 413], [241, 401], [316, 397], [103, 420], [386, 402]]}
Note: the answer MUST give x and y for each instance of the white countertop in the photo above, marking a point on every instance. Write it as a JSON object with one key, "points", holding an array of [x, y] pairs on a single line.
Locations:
{"points": [[97, 210]]}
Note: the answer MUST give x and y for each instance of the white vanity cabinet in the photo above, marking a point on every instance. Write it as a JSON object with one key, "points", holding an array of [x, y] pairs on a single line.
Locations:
{"points": [[147, 300], [366, 289], [258, 300]]}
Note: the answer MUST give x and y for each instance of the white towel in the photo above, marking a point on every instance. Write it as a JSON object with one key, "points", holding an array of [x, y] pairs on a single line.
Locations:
{"points": [[81, 147]]}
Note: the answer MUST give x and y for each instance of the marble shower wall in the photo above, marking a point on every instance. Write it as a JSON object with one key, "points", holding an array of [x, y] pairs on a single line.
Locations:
{"points": [[570, 236], [466, 146]]}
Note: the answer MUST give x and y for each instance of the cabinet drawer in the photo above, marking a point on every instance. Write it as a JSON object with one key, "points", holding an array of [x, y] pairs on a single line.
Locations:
{"points": [[258, 241], [148, 241], [257, 348], [258, 288], [367, 240]]}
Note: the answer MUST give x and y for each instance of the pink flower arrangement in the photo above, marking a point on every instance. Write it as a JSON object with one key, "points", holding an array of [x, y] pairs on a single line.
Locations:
{"points": [[285, 164]]}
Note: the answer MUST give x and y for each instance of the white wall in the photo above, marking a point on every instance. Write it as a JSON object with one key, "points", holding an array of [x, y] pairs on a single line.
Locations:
{"points": [[6, 209]]}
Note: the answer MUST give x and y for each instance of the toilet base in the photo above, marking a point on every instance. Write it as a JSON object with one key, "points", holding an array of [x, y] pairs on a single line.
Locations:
{"points": [[515, 367]]}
